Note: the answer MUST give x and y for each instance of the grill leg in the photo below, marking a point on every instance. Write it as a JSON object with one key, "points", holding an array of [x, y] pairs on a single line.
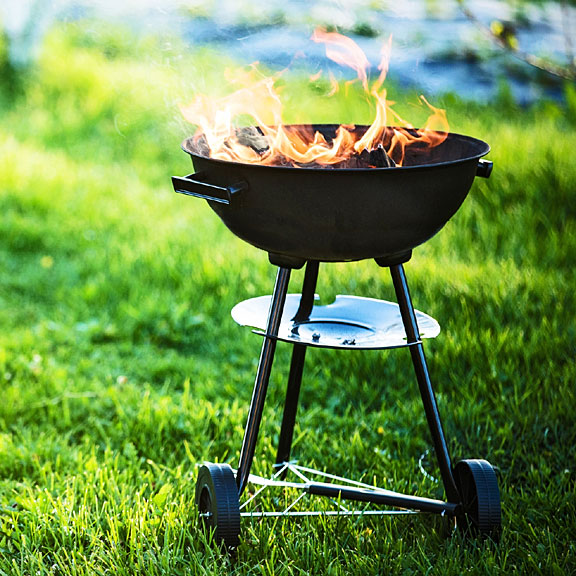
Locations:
{"points": [[291, 403], [296, 366], [424, 383], [262, 378]]}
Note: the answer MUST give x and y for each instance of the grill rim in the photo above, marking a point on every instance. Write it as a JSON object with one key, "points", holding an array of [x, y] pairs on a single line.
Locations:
{"points": [[483, 149]]}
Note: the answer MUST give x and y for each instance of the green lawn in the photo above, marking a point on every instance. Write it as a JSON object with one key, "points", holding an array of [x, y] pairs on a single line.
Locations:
{"points": [[121, 369]]}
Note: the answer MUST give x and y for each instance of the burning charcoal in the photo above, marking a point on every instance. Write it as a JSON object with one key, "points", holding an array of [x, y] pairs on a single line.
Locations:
{"points": [[363, 159], [201, 146], [352, 162], [380, 159], [375, 158], [253, 138]]}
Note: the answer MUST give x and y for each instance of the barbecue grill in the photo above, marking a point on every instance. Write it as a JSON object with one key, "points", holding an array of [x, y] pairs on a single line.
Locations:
{"points": [[305, 216]]}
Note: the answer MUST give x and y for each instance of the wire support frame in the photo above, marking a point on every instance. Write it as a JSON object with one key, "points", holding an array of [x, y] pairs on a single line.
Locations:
{"points": [[303, 485]]}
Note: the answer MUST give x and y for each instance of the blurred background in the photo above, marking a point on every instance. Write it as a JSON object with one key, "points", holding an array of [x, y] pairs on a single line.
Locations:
{"points": [[471, 47]]}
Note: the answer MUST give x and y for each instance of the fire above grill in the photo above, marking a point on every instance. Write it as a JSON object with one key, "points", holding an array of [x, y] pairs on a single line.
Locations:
{"points": [[338, 213]]}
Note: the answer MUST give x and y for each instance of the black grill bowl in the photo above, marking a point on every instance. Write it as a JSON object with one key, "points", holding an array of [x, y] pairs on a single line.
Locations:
{"points": [[336, 215]]}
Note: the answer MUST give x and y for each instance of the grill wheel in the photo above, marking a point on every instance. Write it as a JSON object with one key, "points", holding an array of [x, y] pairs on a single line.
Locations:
{"points": [[478, 487], [218, 503]]}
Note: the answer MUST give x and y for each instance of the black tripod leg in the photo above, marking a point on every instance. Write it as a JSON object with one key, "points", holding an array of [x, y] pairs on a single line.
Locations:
{"points": [[424, 383], [262, 378], [291, 404], [296, 365]]}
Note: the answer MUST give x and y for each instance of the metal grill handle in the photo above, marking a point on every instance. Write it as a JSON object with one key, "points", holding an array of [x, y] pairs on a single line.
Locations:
{"points": [[484, 168], [195, 185]]}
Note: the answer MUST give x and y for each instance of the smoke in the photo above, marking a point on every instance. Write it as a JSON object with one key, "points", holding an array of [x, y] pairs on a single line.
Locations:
{"points": [[25, 23]]}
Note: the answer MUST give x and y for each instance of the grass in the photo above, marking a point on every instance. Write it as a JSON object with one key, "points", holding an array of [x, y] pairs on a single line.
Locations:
{"points": [[121, 369]]}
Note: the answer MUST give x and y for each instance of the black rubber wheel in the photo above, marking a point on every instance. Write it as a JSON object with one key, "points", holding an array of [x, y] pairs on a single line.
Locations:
{"points": [[218, 503], [478, 487]]}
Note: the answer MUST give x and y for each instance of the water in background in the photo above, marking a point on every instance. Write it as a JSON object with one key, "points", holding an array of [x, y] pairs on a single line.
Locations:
{"points": [[436, 47]]}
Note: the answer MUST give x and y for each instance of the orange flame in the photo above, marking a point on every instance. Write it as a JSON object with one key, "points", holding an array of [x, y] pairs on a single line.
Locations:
{"points": [[300, 145], [345, 51]]}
